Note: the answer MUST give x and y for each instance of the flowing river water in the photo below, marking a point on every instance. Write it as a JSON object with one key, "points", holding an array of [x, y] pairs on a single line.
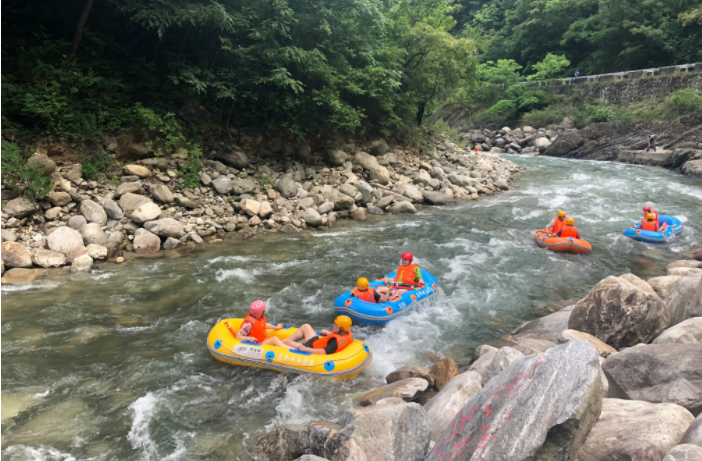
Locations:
{"points": [[113, 365]]}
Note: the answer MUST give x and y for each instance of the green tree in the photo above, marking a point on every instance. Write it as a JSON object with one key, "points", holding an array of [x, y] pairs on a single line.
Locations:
{"points": [[550, 67]]}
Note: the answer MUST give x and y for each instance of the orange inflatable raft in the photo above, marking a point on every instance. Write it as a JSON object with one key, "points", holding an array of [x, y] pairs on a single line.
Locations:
{"points": [[561, 244]]}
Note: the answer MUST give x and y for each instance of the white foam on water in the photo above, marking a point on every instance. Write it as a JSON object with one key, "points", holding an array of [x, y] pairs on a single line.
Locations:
{"points": [[580, 176], [40, 453], [522, 214], [686, 189], [38, 285], [143, 411], [219, 259], [243, 274], [104, 276]]}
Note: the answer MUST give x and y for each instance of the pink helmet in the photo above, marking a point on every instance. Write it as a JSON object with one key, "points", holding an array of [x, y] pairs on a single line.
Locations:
{"points": [[647, 208], [257, 308]]}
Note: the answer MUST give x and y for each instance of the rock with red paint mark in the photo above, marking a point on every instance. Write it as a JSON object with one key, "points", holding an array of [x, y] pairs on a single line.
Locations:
{"points": [[442, 408], [539, 407]]}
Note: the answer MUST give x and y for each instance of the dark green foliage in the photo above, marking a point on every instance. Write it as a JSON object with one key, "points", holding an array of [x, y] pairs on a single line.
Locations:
{"points": [[685, 101], [94, 166], [18, 174], [189, 171]]}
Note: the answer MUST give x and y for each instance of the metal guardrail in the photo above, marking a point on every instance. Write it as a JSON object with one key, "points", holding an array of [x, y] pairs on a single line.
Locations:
{"points": [[615, 76]]}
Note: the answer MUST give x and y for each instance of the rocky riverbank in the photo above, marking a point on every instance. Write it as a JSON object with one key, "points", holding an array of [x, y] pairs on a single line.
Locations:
{"points": [[679, 143], [144, 208], [615, 375]]}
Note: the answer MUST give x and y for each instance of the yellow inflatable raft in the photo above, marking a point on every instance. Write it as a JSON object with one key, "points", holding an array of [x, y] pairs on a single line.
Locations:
{"points": [[224, 347]]}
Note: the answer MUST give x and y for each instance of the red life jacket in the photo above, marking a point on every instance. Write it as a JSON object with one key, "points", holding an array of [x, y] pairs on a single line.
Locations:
{"points": [[342, 342], [367, 296], [650, 226], [558, 225], [569, 231], [406, 274], [258, 327]]}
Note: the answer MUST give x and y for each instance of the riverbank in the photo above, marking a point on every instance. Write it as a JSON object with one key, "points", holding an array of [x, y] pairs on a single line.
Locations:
{"points": [[144, 209], [612, 375]]}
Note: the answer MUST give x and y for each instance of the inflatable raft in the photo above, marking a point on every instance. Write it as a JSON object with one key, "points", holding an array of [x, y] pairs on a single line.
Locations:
{"points": [[675, 226], [380, 313], [562, 244], [224, 347]]}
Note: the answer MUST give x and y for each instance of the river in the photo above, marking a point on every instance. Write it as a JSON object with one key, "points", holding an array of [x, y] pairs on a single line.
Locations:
{"points": [[113, 365]]}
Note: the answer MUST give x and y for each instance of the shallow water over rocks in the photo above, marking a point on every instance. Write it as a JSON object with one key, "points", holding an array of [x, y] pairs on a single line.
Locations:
{"points": [[113, 364]]}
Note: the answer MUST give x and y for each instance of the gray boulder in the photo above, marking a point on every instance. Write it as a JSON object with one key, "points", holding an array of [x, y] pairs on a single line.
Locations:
{"points": [[166, 227], [412, 193], [82, 263], [47, 165], [411, 371], [171, 243], [380, 174], [539, 407], [48, 258], [450, 400], [234, 158], [693, 434], [15, 255], [146, 212], [64, 240], [19, 207], [603, 349], [77, 221], [378, 147], [8, 235], [337, 157], [93, 212], [130, 202], [483, 361], [684, 453], [146, 242], [365, 161], [59, 198], [243, 186], [112, 209], [161, 193], [658, 373], [365, 189], [437, 198], [663, 285], [407, 389], [286, 186], [635, 430], [620, 312], [686, 332], [223, 185], [503, 358], [312, 218], [92, 233], [128, 188], [96, 251], [685, 300], [403, 207], [564, 144]]}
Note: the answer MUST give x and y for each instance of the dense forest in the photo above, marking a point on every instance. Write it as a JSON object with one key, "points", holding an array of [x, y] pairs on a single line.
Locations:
{"points": [[72, 68]]}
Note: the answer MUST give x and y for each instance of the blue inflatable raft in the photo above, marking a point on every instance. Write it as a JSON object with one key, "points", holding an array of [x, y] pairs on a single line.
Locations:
{"points": [[674, 227], [380, 313]]}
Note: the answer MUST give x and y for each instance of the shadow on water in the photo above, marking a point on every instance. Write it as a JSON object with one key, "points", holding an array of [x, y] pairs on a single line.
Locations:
{"points": [[113, 365]]}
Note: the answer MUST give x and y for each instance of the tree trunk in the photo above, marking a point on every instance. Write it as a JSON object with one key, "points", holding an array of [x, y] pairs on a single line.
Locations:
{"points": [[420, 113], [79, 28]]}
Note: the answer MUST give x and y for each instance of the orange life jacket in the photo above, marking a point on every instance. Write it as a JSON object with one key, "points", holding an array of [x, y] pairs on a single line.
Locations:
{"points": [[342, 342], [645, 215], [569, 231], [650, 226], [367, 296], [406, 274], [258, 327], [558, 225]]}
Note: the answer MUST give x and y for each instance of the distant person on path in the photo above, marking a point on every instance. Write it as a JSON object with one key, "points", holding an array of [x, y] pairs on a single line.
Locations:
{"points": [[651, 142], [557, 224], [577, 73]]}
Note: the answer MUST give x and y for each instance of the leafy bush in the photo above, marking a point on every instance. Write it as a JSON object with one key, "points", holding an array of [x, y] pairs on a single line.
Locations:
{"points": [[685, 101], [441, 130], [18, 174], [543, 117], [189, 171], [94, 166], [550, 67]]}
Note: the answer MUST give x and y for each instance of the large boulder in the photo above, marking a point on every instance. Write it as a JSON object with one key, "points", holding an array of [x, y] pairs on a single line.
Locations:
{"points": [[48, 258], [693, 434], [59, 198], [19, 207], [565, 143], [161, 193], [684, 300], [312, 217], [403, 207], [620, 312], [413, 193], [605, 350], [82, 263], [407, 389], [658, 373], [128, 188], [685, 332], [378, 147], [96, 251], [539, 407], [437, 198], [250, 207], [502, 359], [663, 285], [388, 431], [223, 185], [243, 186], [112, 209], [365, 189], [684, 453], [411, 371], [286, 186], [16, 255], [635, 430], [92, 233], [130, 202], [47, 165], [366, 161], [19, 276], [93, 212], [234, 158], [137, 170], [146, 242], [166, 227], [450, 400], [380, 174], [443, 370], [337, 157], [146, 212], [64, 240]]}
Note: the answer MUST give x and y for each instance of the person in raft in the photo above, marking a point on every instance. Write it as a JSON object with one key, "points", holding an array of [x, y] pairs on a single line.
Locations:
{"points": [[651, 223], [569, 230], [646, 211], [407, 273], [557, 224], [253, 329], [364, 292], [330, 342]]}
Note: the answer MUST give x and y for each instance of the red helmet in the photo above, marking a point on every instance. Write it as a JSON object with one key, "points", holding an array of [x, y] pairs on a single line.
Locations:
{"points": [[257, 308], [647, 208], [407, 255]]}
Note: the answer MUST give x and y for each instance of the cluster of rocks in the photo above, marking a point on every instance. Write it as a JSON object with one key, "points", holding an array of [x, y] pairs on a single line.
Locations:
{"points": [[526, 140], [144, 208], [615, 375]]}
